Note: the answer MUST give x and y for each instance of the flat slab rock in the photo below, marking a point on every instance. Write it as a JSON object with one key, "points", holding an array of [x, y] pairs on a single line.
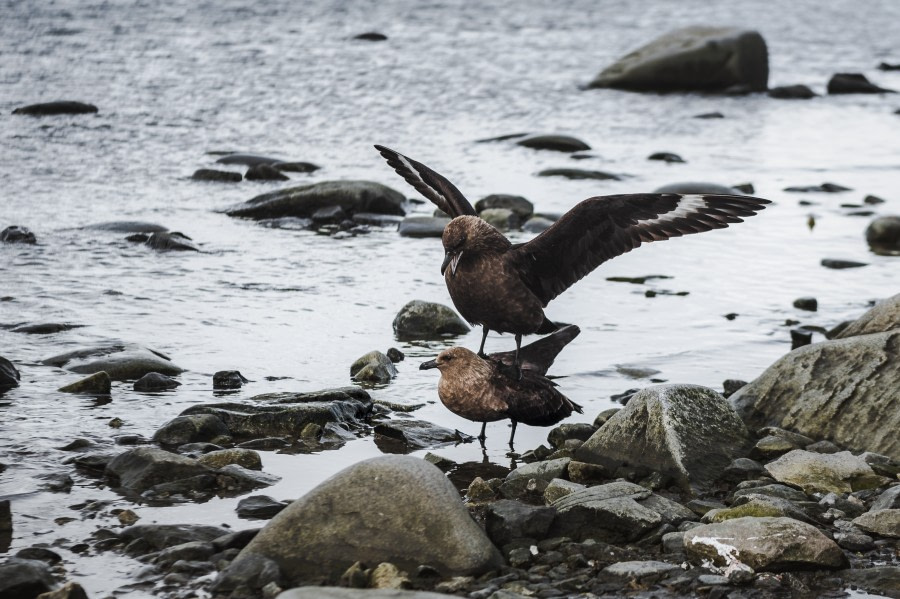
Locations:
{"points": [[840, 472], [317, 592], [396, 509], [770, 544], [122, 362], [884, 523]]}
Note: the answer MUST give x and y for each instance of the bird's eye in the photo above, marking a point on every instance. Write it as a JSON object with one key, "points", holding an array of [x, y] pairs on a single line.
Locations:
{"points": [[447, 358]]}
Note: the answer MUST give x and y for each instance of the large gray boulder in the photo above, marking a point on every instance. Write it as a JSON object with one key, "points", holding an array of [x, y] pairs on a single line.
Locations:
{"points": [[144, 467], [840, 472], [844, 390], [771, 544], [305, 200], [883, 316], [693, 58], [122, 362], [9, 376], [687, 432], [883, 235], [396, 509]]}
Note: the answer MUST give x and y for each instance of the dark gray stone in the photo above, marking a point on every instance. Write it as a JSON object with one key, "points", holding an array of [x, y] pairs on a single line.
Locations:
{"points": [[24, 578], [296, 167], [56, 108], [578, 173], [17, 234], [98, 383], [668, 157], [405, 435], [373, 367], [423, 226], [792, 92], [154, 381], [427, 320], [810, 304], [697, 187], [889, 500], [121, 361], [521, 206], [839, 264], [259, 507], [228, 379], [157, 537], [143, 467], [264, 172], [9, 376], [303, 201], [207, 174], [883, 235], [171, 241], [191, 429], [854, 83], [247, 159], [557, 143], [507, 520]]}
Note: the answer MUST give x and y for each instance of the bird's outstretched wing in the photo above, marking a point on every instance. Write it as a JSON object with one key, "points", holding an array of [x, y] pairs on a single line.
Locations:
{"points": [[603, 227], [430, 184]]}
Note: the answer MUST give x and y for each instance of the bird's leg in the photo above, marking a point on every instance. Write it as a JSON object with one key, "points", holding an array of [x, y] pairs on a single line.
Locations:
{"points": [[482, 436], [512, 434], [484, 334]]}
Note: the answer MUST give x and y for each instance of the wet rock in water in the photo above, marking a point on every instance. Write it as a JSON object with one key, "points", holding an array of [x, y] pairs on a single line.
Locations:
{"points": [[502, 219], [521, 206], [329, 215], [98, 383], [285, 414], [692, 58], [810, 304], [228, 379], [615, 512], [557, 143], [697, 187], [393, 509], [884, 580], [121, 361], [17, 234], [395, 355], [687, 432], [800, 337], [24, 578], [127, 226], [371, 36], [45, 328], [144, 467], [840, 472], [296, 167], [427, 320], [264, 172], [154, 381], [259, 507], [854, 83], [645, 572], [171, 241], [405, 435], [145, 538], [710, 115], [304, 200], [237, 479], [578, 173], [546, 470], [570, 430], [423, 226], [56, 108], [319, 592], [884, 316], [9, 376], [247, 159], [537, 224], [838, 264], [70, 590], [843, 390], [377, 220], [191, 429], [246, 458], [208, 174], [507, 520], [770, 544], [873, 200], [823, 188], [884, 523], [792, 92], [883, 235], [730, 386], [373, 367], [251, 574], [665, 157]]}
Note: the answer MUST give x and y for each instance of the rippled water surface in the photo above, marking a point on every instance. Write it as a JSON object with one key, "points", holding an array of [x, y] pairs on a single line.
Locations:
{"points": [[176, 81]]}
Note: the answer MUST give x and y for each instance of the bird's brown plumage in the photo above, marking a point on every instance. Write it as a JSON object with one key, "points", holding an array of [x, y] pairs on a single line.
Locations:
{"points": [[504, 287]]}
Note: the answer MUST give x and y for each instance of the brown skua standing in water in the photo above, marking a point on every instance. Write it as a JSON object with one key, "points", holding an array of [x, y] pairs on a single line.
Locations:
{"points": [[505, 287], [487, 390]]}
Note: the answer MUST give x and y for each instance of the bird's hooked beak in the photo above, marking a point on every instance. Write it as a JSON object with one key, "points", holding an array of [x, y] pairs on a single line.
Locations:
{"points": [[451, 260], [428, 365]]}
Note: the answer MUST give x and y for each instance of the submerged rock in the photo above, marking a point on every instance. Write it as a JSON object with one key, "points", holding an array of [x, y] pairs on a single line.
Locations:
{"points": [[697, 187], [371, 36], [665, 157], [264, 172], [792, 92], [502, 219], [154, 381], [693, 58], [121, 361], [45, 328], [303, 201], [229, 379], [246, 458], [191, 429], [156, 537], [128, 226], [557, 143], [823, 188], [17, 234], [98, 383], [578, 173], [56, 108], [854, 83], [838, 264], [883, 235], [393, 509], [843, 390], [423, 226], [247, 159], [259, 507], [296, 167], [171, 241], [9, 376], [770, 544], [840, 472], [405, 435], [427, 320], [687, 432], [521, 206], [207, 174], [144, 467], [24, 578], [373, 367]]}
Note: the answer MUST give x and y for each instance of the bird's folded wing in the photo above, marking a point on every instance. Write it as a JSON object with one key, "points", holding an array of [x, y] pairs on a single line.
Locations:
{"points": [[601, 228], [539, 355], [430, 184]]}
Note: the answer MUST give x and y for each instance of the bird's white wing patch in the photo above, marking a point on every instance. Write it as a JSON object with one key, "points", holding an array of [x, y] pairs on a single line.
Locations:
{"points": [[687, 205]]}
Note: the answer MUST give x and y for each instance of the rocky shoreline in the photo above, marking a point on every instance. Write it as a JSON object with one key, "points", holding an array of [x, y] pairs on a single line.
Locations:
{"points": [[680, 493]]}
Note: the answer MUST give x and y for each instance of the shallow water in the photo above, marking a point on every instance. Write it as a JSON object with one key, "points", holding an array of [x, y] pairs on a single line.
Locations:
{"points": [[177, 81]]}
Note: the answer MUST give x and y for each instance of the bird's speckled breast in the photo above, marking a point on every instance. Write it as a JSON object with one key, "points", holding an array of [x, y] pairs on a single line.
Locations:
{"points": [[487, 292]]}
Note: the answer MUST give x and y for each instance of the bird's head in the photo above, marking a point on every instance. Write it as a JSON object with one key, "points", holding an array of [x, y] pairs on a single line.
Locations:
{"points": [[455, 359], [470, 235]]}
